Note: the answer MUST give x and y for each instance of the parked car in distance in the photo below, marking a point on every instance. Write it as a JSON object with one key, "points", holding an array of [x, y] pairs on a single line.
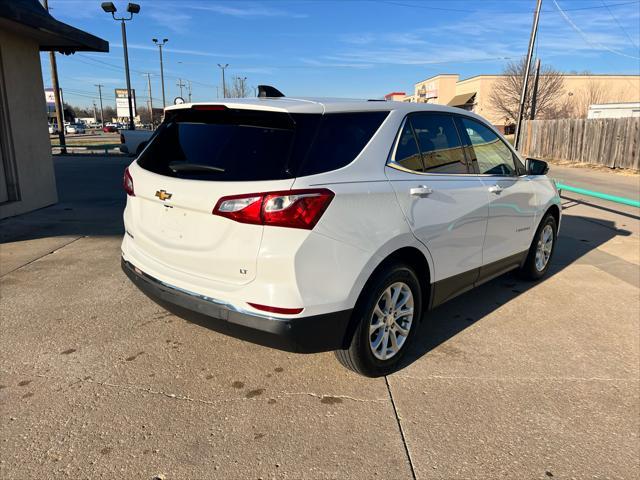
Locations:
{"points": [[109, 128], [314, 225], [75, 128], [132, 142], [53, 128]]}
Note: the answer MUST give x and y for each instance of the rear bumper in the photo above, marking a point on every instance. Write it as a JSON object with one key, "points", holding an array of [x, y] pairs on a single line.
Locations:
{"points": [[317, 333]]}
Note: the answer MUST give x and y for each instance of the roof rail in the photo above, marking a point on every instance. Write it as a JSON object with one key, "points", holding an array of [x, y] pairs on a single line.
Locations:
{"points": [[267, 91]]}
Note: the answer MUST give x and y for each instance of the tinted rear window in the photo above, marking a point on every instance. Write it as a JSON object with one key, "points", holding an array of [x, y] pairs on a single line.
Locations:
{"points": [[248, 145], [340, 139]]}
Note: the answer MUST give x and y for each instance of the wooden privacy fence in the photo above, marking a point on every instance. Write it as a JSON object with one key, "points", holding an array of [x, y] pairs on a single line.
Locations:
{"points": [[612, 142]]}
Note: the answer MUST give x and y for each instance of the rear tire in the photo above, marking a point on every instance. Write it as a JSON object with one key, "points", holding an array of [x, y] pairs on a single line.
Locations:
{"points": [[541, 251], [385, 327]]}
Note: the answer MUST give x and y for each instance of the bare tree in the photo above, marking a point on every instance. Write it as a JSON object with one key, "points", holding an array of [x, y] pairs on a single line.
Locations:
{"points": [[238, 88], [551, 101], [593, 92]]}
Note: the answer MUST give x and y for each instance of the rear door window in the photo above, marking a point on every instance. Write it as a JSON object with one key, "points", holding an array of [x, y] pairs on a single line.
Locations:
{"points": [[439, 143], [429, 143], [407, 152]]}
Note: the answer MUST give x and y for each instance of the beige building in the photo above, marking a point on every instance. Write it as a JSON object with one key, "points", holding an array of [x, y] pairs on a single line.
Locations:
{"points": [[27, 179], [474, 93]]}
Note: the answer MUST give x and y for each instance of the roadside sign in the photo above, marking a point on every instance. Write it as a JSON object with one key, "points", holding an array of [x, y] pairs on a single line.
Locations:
{"points": [[122, 102]]}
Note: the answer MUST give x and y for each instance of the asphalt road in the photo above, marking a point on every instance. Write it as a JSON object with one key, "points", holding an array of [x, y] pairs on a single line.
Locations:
{"points": [[512, 380]]}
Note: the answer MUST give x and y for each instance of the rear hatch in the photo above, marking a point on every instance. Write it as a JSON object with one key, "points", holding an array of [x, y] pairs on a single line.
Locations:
{"points": [[199, 155]]}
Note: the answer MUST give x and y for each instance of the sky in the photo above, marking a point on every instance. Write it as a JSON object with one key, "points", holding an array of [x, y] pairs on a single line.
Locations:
{"points": [[337, 48]]}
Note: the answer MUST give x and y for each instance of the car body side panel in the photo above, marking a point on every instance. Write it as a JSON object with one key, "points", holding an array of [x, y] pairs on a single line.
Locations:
{"points": [[512, 214]]}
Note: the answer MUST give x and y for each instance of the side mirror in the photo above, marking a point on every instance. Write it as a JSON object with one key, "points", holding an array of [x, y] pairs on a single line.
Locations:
{"points": [[537, 167]]}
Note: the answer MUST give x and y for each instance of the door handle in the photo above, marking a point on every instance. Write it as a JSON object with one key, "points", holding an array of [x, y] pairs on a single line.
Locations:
{"points": [[497, 189], [420, 191]]}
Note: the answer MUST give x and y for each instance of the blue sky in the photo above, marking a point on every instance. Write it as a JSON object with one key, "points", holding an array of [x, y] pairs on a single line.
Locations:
{"points": [[360, 49]]}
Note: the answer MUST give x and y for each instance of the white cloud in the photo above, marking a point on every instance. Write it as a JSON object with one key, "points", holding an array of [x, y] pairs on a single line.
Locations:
{"points": [[245, 10]]}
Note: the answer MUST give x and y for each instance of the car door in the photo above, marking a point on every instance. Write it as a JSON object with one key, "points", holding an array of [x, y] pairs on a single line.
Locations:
{"points": [[445, 205], [512, 207]]}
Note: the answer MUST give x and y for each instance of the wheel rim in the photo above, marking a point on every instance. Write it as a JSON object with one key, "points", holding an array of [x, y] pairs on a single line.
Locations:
{"points": [[391, 321], [544, 248]]}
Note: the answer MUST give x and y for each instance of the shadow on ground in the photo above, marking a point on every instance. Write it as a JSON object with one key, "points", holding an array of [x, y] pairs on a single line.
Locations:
{"points": [[579, 236], [90, 201]]}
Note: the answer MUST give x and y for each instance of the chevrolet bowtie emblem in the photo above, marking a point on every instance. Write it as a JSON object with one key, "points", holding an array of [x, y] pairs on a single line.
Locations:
{"points": [[163, 195]]}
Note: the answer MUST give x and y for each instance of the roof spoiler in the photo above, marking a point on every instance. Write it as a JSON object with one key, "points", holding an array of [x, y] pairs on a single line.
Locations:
{"points": [[267, 91]]}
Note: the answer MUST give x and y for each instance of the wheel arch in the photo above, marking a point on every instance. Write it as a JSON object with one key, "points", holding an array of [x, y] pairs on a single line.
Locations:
{"points": [[411, 256]]}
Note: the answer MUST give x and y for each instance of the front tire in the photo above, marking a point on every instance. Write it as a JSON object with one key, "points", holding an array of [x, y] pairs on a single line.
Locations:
{"points": [[541, 250], [387, 316]]}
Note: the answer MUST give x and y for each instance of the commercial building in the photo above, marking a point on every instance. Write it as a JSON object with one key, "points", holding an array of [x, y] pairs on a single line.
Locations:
{"points": [[27, 180], [474, 93], [395, 96]]}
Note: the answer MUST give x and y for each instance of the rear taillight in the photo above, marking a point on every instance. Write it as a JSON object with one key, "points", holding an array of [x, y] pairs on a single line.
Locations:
{"points": [[127, 183], [291, 208]]}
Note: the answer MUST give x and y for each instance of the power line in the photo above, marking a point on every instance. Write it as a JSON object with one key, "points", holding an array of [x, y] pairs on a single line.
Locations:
{"points": [[619, 24], [585, 36], [466, 10]]}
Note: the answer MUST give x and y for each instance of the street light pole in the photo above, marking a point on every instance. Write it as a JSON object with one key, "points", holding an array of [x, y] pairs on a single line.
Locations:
{"points": [[126, 68], [160, 45], [99, 85], [224, 85], [132, 8]]}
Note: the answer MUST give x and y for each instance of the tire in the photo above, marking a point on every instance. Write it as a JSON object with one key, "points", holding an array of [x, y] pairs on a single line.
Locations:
{"points": [[361, 355], [534, 268]]}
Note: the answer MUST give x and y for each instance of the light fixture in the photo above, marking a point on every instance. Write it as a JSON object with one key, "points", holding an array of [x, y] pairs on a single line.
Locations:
{"points": [[109, 7]]}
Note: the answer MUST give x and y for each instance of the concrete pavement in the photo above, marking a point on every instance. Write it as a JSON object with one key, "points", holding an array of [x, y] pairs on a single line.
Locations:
{"points": [[513, 379]]}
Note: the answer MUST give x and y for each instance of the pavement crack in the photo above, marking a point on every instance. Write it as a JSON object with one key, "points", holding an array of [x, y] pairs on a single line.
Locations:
{"points": [[518, 379], [404, 440], [42, 256]]}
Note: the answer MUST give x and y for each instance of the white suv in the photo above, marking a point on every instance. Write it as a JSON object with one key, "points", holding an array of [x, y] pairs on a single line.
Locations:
{"points": [[314, 225]]}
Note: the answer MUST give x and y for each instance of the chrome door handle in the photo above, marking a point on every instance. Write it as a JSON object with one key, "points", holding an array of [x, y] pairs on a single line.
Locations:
{"points": [[497, 189], [420, 191]]}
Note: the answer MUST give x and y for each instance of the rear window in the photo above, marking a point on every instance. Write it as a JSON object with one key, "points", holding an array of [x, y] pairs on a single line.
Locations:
{"points": [[251, 145]]}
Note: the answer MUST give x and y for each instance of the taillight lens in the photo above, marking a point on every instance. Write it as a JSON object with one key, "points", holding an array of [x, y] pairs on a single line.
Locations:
{"points": [[291, 208], [127, 183]]}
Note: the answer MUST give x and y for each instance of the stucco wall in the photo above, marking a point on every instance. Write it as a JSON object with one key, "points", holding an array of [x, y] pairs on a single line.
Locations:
{"points": [[25, 109]]}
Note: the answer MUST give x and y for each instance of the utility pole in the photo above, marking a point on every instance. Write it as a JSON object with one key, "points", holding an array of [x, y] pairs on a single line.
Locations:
{"points": [[180, 84], [160, 45], [95, 114], [99, 85], [56, 95], [189, 86], [150, 98], [224, 86], [527, 67], [534, 95]]}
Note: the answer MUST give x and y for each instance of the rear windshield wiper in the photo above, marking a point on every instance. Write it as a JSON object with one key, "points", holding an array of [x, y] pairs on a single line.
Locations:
{"points": [[194, 167]]}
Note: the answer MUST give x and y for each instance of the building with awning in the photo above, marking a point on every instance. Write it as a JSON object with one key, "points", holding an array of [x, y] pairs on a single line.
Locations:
{"points": [[27, 179], [474, 93], [465, 101]]}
